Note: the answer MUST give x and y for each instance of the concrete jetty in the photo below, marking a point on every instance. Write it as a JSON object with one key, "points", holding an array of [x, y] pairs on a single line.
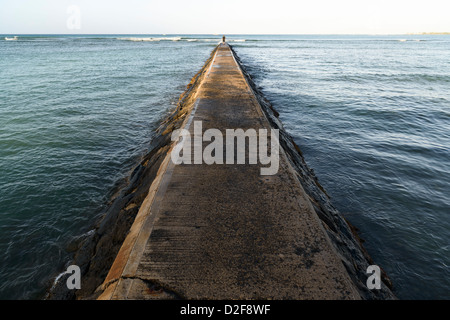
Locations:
{"points": [[224, 231]]}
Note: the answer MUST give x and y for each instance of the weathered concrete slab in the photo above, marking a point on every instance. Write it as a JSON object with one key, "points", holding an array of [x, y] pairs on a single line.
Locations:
{"points": [[224, 231]]}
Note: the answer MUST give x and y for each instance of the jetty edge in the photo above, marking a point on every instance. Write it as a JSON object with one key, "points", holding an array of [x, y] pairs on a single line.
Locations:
{"points": [[95, 251], [343, 235], [107, 251]]}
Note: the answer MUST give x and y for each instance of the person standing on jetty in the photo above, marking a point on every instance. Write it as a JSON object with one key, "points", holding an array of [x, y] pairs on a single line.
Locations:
{"points": [[223, 39]]}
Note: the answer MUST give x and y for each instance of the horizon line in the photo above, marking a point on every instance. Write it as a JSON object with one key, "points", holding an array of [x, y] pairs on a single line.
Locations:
{"points": [[240, 34]]}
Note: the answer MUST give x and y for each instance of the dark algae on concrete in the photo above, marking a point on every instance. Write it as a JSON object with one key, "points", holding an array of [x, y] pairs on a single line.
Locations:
{"points": [[97, 251]]}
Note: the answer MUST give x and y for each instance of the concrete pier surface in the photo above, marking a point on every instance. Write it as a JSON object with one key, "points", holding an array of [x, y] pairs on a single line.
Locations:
{"points": [[224, 231]]}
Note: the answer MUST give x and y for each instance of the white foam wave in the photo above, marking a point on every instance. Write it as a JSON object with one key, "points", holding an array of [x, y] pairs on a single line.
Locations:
{"points": [[177, 39], [151, 39]]}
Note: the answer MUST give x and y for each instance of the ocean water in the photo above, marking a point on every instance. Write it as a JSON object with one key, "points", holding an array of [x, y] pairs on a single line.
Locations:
{"points": [[370, 113]]}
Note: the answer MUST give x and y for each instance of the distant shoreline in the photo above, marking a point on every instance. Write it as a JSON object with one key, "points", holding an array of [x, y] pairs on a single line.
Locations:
{"points": [[429, 33]]}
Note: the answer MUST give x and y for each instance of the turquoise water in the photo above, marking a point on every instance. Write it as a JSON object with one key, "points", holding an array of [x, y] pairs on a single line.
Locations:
{"points": [[371, 114]]}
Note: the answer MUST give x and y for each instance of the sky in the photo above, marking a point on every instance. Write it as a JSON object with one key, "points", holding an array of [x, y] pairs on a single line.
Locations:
{"points": [[224, 17]]}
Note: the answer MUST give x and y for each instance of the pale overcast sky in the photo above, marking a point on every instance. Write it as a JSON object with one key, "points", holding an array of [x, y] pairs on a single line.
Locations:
{"points": [[226, 16]]}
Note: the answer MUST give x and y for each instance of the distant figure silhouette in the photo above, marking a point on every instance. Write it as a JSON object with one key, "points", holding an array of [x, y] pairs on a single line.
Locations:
{"points": [[223, 39]]}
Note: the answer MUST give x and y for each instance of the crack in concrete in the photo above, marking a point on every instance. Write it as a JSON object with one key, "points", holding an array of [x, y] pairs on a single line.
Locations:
{"points": [[157, 288]]}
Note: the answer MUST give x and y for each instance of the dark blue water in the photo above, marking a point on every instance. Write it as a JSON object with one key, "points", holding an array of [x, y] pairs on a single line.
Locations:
{"points": [[371, 114]]}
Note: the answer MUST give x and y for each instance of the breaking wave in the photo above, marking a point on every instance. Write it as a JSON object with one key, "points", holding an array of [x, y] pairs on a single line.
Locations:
{"points": [[151, 39]]}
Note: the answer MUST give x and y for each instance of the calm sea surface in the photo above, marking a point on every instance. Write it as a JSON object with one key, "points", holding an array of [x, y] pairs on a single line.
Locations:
{"points": [[371, 114]]}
